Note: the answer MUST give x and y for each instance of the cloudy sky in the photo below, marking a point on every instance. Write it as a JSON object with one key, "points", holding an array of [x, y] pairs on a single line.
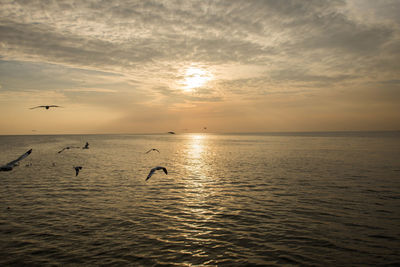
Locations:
{"points": [[234, 66]]}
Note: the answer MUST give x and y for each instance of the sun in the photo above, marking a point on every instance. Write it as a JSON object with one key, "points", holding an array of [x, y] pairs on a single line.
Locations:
{"points": [[194, 78]]}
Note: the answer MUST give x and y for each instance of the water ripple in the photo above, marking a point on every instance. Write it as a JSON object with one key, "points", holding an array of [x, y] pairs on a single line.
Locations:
{"points": [[227, 200]]}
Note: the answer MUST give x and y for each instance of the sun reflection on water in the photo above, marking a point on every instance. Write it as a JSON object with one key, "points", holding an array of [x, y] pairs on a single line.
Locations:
{"points": [[198, 191], [196, 166], [196, 146]]}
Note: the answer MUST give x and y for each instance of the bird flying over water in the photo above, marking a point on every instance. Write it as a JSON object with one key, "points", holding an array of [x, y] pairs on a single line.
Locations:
{"points": [[68, 147], [77, 169], [156, 169], [9, 166], [171, 132], [47, 107], [153, 149], [86, 146]]}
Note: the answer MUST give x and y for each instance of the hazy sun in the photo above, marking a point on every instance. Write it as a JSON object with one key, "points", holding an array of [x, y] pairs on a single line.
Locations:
{"points": [[194, 78]]}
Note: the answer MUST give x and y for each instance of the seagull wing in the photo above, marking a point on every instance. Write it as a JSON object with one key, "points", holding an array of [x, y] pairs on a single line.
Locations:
{"points": [[150, 173], [165, 170], [155, 149], [38, 107], [14, 162], [149, 151], [62, 150], [54, 106]]}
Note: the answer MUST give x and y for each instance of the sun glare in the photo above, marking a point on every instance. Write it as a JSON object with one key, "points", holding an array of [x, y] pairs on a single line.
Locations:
{"points": [[195, 78]]}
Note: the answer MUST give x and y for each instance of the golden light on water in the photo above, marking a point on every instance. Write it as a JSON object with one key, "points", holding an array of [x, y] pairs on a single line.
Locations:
{"points": [[197, 187], [195, 78], [196, 163], [197, 145]]}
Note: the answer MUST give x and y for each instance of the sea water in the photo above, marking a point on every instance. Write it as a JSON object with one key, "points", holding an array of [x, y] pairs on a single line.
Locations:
{"points": [[232, 199]]}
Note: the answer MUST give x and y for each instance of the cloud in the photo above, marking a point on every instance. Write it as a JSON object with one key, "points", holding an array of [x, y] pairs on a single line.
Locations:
{"points": [[202, 94], [391, 82], [133, 33], [86, 50], [95, 90]]}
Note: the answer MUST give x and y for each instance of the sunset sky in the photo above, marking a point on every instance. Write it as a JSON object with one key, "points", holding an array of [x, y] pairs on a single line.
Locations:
{"points": [[232, 66]]}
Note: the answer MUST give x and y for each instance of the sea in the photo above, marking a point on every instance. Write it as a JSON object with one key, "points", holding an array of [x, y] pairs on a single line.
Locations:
{"points": [[266, 199]]}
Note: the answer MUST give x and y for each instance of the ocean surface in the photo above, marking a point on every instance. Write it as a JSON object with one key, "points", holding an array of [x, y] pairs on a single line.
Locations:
{"points": [[322, 199]]}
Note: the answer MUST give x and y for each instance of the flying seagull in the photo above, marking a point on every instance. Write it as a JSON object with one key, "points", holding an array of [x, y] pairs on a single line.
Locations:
{"points": [[68, 147], [155, 169], [171, 132], [9, 166], [47, 107], [86, 146], [77, 169], [153, 149]]}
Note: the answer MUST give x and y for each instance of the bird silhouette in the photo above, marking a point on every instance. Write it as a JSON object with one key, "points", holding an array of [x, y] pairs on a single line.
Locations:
{"points": [[156, 169], [47, 106], [67, 147], [153, 149], [9, 166]]}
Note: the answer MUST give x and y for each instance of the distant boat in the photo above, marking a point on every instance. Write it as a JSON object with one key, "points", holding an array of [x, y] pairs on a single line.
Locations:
{"points": [[9, 166], [171, 132]]}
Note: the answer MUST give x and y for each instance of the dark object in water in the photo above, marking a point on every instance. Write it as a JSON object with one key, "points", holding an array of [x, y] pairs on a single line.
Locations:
{"points": [[171, 132], [77, 169], [86, 146]]}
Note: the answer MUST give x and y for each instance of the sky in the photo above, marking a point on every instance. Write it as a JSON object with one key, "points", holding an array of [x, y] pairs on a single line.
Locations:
{"points": [[231, 66]]}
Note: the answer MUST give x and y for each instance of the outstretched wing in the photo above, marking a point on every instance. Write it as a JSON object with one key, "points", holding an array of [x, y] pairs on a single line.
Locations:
{"points": [[38, 107], [62, 150], [155, 169], [14, 162], [153, 149], [54, 106], [150, 173]]}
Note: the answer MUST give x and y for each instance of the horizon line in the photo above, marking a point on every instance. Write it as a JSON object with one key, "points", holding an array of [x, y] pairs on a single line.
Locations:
{"points": [[178, 133]]}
